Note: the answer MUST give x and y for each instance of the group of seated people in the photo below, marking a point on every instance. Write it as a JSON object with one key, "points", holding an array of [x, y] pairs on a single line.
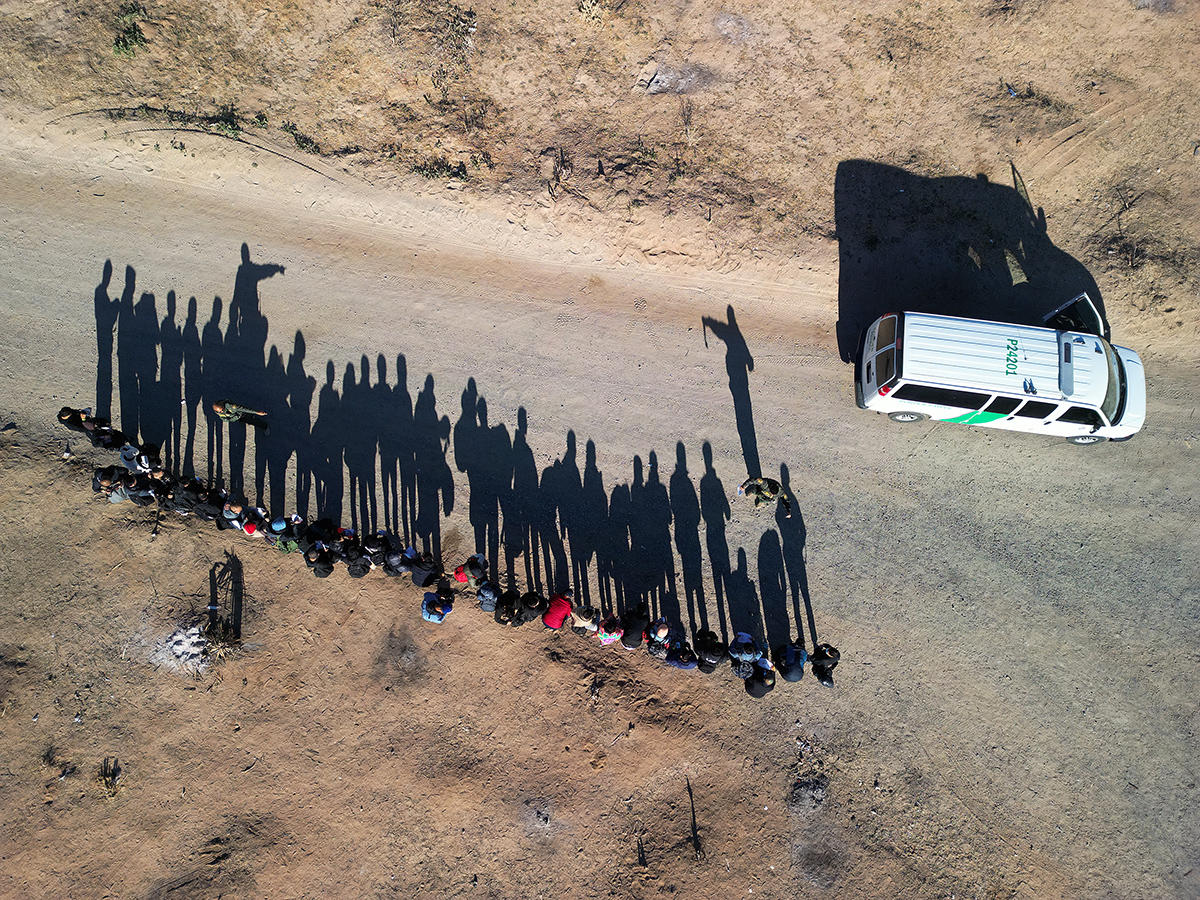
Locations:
{"points": [[749, 659], [141, 479]]}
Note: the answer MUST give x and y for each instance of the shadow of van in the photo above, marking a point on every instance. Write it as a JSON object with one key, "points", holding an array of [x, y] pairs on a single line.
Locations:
{"points": [[955, 246]]}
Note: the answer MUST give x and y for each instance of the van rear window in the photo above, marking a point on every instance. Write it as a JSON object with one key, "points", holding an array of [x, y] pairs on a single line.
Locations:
{"points": [[885, 367], [887, 333], [920, 393]]}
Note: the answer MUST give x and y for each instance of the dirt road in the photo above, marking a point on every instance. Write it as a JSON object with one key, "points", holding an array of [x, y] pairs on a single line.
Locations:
{"points": [[1015, 709]]}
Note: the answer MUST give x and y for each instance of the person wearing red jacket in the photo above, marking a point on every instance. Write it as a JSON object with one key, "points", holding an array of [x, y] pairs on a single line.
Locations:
{"points": [[560, 607]]}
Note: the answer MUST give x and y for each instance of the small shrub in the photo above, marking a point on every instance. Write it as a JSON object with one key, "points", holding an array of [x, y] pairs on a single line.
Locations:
{"points": [[226, 121], [129, 34], [109, 776], [260, 120], [440, 167], [303, 141]]}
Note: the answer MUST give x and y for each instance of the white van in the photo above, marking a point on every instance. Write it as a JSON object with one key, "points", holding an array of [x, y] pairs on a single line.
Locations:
{"points": [[1064, 380]]}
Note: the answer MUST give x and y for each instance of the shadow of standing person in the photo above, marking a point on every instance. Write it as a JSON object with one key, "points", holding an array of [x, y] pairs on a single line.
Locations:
{"points": [[568, 488], [715, 510], [494, 465], [361, 439], [794, 535], [685, 510], [742, 598], [300, 389], [127, 355], [193, 382], [773, 590], [519, 539], [327, 449], [245, 350], [402, 415], [106, 311], [591, 517], [151, 416], [614, 553], [169, 393], [656, 508], [554, 553], [212, 355], [467, 452], [738, 364], [273, 449], [435, 481], [389, 444]]}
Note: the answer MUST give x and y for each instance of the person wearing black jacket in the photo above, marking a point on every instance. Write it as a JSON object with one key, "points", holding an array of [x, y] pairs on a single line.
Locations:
{"points": [[761, 682], [790, 659], [824, 659], [635, 622], [319, 561], [710, 651]]}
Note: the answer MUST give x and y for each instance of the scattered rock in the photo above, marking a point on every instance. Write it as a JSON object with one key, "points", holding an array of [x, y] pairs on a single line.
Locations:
{"points": [[658, 78], [537, 812], [808, 793], [731, 27]]}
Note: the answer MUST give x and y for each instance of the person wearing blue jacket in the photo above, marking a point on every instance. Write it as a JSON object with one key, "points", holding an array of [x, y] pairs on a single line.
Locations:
{"points": [[436, 607]]}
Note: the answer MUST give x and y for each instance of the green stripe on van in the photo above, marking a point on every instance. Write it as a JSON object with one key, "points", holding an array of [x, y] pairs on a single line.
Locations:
{"points": [[975, 418]]}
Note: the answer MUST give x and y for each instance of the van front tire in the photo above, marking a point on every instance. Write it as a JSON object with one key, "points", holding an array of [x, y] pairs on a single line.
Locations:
{"points": [[905, 417], [1085, 440]]}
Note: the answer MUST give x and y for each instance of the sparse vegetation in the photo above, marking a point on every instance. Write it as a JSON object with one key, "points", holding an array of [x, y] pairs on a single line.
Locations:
{"points": [[592, 10], [129, 33], [303, 141], [440, 167], [54, 758], [109, 776]]}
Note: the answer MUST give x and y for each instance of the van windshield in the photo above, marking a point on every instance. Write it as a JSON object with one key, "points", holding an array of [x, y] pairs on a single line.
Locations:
{"points": [[1114, 396]]}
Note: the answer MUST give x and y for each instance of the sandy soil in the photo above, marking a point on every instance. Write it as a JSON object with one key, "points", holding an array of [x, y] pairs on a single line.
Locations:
{"points": [[1015, 710], [692, 133], [546, 199]]}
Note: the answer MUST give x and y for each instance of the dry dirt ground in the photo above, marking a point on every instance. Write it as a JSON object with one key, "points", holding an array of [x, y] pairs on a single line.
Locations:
{"points": [[1015, 711]]}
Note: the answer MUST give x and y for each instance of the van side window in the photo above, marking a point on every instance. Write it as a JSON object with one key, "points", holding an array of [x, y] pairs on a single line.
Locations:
{"points": [[1003, 405], [920, 393], [1036, 409], [1081, 416]]}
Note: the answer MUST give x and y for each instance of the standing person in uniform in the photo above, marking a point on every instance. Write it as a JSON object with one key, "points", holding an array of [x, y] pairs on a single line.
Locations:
{"points": [[228, 411], [764, 491]]}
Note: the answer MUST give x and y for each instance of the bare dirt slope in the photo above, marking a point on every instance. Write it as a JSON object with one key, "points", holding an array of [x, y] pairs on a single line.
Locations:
{"points": [[692, 132], [1015, 710]]}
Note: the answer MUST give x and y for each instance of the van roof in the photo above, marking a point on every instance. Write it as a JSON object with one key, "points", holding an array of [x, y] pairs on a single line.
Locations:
{"points": [[1000, 357]]}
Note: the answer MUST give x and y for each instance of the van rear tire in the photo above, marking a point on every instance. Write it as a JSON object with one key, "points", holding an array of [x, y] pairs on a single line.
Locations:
{"points": [[905, 417], [1086, 440]]}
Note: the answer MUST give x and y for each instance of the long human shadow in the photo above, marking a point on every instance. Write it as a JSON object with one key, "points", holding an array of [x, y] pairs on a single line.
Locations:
{"points": [[106, 311], [793, 534], [193, 385], [715, 511], [738, 366], [434, 479], [614, 543], [244, 359], [685, 511], [362, 440], [954, 246]]}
